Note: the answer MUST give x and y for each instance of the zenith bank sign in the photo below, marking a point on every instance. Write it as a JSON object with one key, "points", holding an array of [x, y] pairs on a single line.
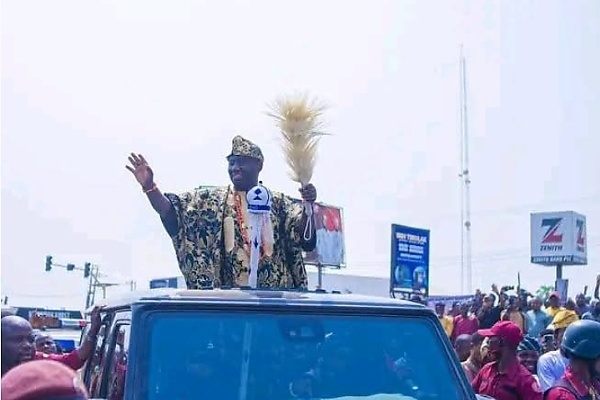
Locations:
{"points": [[558, 238]]}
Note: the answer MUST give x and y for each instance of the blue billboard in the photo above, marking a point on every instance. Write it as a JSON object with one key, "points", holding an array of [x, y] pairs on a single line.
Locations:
{"points": [[410, 260]]}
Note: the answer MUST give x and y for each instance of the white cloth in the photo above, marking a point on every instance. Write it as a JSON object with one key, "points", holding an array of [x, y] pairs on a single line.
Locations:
{"points": [[263, 236]]}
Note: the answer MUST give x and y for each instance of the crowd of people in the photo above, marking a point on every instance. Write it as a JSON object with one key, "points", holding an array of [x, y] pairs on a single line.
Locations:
{"points": [[53, 374], [521, 346]]}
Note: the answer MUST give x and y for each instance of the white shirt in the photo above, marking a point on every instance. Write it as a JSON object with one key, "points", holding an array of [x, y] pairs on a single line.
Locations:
{"points": [[551, 367]]}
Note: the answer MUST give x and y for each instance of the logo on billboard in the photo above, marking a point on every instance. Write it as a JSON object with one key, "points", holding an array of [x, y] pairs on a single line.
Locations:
{"points": [[580, 225], [552, 240], [558, 238]]}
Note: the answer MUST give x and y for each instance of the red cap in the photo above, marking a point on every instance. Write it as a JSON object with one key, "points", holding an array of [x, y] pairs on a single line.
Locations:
{"points": [[40, 379], [554, 294], [506, 330]]}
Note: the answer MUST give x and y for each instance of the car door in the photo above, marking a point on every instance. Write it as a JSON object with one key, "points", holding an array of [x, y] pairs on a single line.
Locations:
{"points": [[115, 370], [110, 372]]}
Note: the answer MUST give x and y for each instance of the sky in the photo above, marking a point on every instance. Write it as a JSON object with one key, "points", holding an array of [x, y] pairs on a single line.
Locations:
{"points": [[85, 83]]}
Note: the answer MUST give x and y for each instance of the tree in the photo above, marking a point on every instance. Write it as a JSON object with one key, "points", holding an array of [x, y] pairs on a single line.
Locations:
{"points": [[544, 291]]}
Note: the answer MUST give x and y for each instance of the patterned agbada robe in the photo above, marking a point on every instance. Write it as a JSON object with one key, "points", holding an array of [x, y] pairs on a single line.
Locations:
{"points": [[207, 258]]}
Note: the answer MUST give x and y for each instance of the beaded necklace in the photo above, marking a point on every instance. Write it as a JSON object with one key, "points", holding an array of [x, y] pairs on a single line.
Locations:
{"points": [[243, 227]]}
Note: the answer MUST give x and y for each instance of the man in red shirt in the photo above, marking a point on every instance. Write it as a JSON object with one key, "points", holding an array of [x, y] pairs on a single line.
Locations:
{"points": [[505, 378], [581, 345], [18, 344], [464, 324]]}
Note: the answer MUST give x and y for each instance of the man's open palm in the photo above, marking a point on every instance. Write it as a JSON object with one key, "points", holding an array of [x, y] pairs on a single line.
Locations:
{"points": [[141, 170]]}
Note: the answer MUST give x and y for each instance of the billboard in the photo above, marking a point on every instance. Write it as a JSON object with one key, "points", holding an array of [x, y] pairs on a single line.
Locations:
{"points": [[329, 227], [447, 300], [28, 312], [558, 238], [164, 283], [409, 272]]}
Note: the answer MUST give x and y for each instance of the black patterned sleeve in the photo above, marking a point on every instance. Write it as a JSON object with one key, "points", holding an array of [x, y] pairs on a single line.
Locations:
{"points": [[188, 209], [182, 204], [292, 217]]}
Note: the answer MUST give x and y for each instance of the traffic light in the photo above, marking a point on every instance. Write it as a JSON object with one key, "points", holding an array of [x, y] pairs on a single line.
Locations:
{"points": [[48, 263], [87, 269], [70, 267]]}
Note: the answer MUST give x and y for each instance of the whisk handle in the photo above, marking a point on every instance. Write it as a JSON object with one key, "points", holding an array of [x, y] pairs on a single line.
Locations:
{"points": [[308, 228]]}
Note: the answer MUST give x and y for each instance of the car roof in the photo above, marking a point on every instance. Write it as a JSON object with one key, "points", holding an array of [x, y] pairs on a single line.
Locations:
{"points": [[249, 296]]}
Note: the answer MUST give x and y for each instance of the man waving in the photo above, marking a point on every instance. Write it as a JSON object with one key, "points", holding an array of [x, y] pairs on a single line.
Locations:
{"points": [[209, 229]]}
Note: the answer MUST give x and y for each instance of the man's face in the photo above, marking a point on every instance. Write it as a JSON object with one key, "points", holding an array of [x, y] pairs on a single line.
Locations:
{"points": [[45, 344], [570, 305], [243, 172], [580, 300], [463, 349], [488, 302], [439, 309], [536, 304], [496, 347], [455, 309], [553, 301], [529, 359], [17, 342], [522, 303]]}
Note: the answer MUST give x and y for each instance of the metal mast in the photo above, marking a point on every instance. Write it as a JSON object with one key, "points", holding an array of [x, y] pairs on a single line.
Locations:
{"points": [[466, 270]]}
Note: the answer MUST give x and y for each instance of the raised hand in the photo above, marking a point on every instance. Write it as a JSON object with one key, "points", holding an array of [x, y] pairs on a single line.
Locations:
{"points": [[95, 320], [141, 170], [309, 193]]}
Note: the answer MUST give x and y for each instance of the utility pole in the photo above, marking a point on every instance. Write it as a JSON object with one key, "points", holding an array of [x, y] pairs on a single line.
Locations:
{"points": [[95, 283], [466, 270]]}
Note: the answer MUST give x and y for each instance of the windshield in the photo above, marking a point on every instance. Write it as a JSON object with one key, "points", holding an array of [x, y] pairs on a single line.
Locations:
{"points": [[279, 356]]}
